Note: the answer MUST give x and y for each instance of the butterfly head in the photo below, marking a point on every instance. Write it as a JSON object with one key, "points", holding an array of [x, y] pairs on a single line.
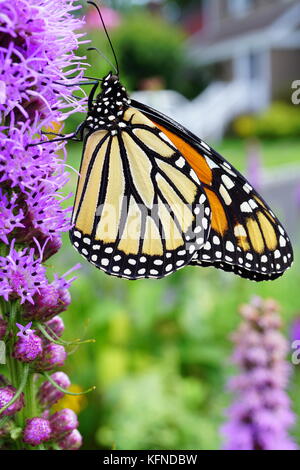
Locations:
{"points": [[113, 90], [110, 104]]}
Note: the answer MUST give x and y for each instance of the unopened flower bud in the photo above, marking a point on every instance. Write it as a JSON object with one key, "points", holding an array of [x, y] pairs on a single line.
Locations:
{"points": [[6, 395], [48, 394], [53, 355], [51, 300], [72, 441], [36, 431], [55, 325], [63, 422]]}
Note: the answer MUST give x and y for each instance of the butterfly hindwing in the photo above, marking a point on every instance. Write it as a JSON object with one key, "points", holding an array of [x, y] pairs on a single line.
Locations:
{"points": [[140, 209], [245, 235]]}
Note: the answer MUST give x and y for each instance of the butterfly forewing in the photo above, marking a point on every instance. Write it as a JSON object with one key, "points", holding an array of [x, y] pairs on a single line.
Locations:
{"points": [[140, 209]]}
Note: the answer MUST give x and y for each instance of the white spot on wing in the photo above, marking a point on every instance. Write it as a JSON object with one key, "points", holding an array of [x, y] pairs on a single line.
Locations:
{"points": [[245, 207], [228, 182], [225, 195], [211, 163]]}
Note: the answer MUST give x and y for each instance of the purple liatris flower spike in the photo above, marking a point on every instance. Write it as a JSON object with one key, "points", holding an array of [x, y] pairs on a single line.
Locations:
{"points": [[39, 73], [28, 346], [37, 60], [72, 441], [63, 422], [260, 417], [36, 431], [48, 394], [38, 40], [7, 393], [54, 355]]}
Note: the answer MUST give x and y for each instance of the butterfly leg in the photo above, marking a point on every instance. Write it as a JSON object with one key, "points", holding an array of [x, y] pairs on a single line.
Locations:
{"points": [[91, 82], [77, 136], [93, 90], [85, 77]]}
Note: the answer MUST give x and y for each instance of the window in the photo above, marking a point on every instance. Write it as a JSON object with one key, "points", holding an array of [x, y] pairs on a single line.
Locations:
{"points": [[239, 8]]}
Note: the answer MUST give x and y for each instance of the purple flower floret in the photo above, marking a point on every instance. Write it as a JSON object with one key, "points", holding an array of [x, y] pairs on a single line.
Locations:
{"points": [[63, 422], [51, 299], [21, 275], [10, 216], [6, 395], [260, 417], [36, 431], [29, 346], [72, 441], [48, 394], [45, 214]]}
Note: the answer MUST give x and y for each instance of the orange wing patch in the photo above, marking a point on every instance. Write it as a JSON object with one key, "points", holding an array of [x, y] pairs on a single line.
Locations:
{"points": [[193, 157], [218, 216]]}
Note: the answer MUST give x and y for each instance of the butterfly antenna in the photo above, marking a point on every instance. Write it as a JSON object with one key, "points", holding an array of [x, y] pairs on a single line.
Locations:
{"points": [[103, 56], [106, 33]]}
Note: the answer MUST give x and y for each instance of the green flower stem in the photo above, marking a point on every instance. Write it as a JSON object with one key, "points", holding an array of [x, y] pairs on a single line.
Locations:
{"points": [[30, 398], [67, 392], [59, 340], [19, 390], [13, 311], [12, 368]]}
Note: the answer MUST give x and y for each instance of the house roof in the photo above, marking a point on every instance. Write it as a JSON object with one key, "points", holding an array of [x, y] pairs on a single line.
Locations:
{"points": [[234, 29], [257, 20]]}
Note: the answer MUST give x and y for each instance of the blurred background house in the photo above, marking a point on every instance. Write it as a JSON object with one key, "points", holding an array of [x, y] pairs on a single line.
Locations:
{"points": [[252, 48]]}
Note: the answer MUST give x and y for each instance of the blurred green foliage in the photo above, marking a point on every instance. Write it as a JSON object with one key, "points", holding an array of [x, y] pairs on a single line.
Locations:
{"points": [[147, 47], [273, 152], [281, 120], [161, 360]]}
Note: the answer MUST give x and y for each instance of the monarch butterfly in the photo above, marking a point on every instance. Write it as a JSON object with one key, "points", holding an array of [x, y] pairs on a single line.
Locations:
{"points": [[152, 197]]}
